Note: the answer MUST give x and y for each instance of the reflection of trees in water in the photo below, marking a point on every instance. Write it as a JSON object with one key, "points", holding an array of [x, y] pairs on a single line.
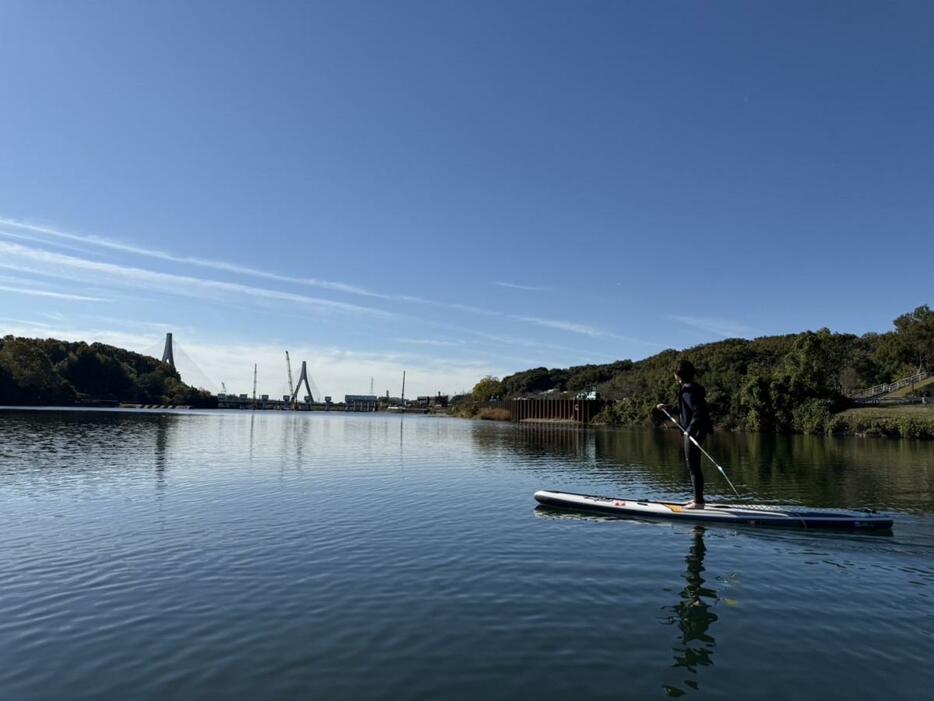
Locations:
{"points": [[86, 442], [812, 470], [693, 615], [161, 447], [536, 440], [821, 470], [648, 447]]}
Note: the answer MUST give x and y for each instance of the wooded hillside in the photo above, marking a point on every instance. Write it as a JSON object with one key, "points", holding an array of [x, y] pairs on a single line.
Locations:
{"points": [[784, 383], [50, 372]]}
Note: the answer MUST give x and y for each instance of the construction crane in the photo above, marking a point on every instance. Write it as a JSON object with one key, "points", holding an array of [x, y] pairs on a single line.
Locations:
{"points": [[288, 365], [254, 385]]}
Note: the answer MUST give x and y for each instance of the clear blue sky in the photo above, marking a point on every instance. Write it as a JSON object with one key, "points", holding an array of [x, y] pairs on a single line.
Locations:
{"points": [[460, 187]]}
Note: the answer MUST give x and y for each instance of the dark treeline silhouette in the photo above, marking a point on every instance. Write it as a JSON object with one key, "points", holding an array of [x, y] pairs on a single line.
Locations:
{"points": [[50, 372]]}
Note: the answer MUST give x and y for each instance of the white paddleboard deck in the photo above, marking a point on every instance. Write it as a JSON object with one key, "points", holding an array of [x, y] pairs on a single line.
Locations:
{"points": [[739, 514]]}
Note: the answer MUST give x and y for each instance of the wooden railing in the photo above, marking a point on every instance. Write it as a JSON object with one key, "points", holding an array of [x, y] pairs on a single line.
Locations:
{"points": [[891, 386]]}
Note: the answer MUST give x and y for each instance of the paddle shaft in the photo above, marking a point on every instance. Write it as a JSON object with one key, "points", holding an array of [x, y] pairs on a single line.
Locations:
{"points": [[701, 448]]}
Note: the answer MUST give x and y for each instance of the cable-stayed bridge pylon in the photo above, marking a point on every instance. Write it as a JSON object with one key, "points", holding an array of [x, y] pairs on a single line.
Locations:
{"points": [[175, 356]]}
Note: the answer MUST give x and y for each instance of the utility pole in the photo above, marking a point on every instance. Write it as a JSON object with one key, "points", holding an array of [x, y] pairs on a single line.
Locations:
{"points": [[254, 385]]}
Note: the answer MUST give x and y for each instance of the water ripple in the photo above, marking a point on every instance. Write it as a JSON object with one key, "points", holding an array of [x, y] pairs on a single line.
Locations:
{"points": [[213, 554]]}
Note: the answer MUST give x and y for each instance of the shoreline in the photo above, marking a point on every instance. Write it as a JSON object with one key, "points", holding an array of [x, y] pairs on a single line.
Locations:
{"points": [[914, 422], [900, 423]]}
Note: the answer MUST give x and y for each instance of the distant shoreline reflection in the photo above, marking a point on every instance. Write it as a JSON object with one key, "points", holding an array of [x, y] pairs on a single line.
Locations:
{"points": [[693, 614]]}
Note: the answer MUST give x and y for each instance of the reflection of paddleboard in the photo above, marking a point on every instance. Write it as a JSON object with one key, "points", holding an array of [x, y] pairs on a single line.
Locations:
{"points": [[739, 514]]}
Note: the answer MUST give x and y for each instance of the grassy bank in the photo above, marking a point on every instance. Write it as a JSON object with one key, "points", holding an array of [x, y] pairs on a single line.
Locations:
{"points": [[914, 421], [478, 410]]}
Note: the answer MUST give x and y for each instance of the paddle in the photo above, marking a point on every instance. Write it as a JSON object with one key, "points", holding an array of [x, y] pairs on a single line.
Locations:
{"points": [[694, 441]]}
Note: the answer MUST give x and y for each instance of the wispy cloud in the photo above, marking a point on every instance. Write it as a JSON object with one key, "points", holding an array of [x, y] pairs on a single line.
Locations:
{"points": [[54, 295], [473, 349], [585, 330], [538, 345], [40, 231], [571, 326], [168, 282], [119, 246], [724, 328], [157, 326], [429, 342], [25, 322], [517, 286], [559, 324], [32, 238]]}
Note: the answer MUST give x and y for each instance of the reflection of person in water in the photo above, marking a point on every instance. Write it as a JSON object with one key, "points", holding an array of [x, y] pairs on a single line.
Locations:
{"points": [[693, 613]]}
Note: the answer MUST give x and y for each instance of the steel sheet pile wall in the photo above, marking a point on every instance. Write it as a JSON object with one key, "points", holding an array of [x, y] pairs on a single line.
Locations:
{"points": [[572, 410]]}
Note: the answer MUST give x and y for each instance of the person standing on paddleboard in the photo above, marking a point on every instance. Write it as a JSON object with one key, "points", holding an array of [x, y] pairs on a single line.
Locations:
{"points": [[695, 422]]}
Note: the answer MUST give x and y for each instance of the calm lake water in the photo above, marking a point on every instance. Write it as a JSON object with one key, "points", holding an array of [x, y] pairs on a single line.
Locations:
{"points": [[332, 556]]}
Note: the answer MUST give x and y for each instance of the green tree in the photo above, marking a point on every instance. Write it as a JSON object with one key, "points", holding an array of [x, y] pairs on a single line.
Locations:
{"points": [[151, 387], [96, 374], [534, 380], [9, 389], [487, 389], [31, 371], [755, 400], [588, 376], [915, 334]]}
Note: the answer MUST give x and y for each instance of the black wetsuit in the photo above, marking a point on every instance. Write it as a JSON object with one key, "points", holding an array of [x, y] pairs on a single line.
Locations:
{"points": [[695, 418]]}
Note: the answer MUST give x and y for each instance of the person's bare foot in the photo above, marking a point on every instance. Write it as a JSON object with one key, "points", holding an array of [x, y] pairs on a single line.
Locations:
{"points": [[694, 505]]}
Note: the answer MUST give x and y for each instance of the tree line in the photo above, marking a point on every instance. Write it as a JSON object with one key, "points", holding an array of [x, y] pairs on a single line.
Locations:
{"points": [[787, 383], [51, 372]]}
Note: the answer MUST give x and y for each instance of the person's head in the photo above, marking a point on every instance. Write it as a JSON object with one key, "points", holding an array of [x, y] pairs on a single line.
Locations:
{"points": [[684, 371]]}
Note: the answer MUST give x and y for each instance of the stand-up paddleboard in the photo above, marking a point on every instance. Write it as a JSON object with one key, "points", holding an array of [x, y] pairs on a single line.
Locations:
{"points": [[737, 514]]}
